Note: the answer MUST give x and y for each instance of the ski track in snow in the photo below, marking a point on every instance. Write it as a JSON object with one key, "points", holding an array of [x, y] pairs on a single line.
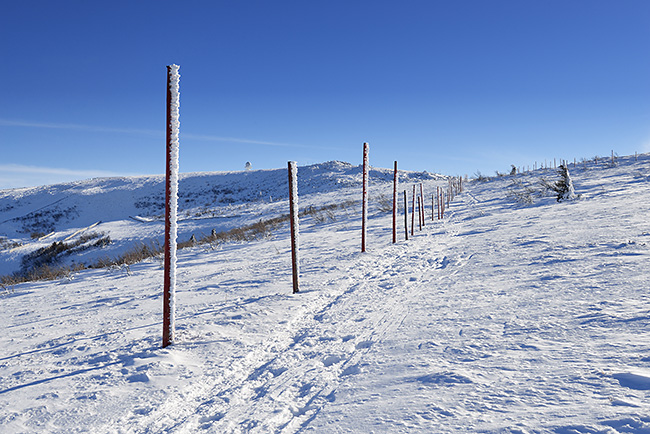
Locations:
{"points": [[500, 318]]}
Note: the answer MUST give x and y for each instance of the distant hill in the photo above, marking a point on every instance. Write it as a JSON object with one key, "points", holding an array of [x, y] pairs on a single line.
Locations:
{"points": [[131, 209]]}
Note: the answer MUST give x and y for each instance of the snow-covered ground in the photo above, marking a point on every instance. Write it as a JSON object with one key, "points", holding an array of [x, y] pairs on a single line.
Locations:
{"points": [[503, 317], [131, 210]]}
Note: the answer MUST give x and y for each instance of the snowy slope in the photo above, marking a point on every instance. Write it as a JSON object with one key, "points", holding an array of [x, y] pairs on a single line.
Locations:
{"points": [[504, 317], [130, 210]]}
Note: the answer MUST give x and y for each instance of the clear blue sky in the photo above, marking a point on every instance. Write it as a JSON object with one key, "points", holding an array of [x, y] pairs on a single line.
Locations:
{"points": [[447, 86]]}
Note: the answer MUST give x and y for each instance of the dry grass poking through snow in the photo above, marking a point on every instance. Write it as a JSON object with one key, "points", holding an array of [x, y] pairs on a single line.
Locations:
{"points": [[42, 264]]}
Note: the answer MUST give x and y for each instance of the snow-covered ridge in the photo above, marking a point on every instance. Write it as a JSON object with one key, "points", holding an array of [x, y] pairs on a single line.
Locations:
{"points": [[118, 207]]}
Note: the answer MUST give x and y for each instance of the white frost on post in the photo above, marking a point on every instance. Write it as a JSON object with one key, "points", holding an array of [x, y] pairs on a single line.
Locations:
{"points": [[174, 126], [395, 186], [364, 212], [294, 205], [295, 228]]}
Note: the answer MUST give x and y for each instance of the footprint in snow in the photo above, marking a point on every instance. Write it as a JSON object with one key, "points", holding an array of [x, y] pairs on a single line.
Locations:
{"points": [[364, 344], [140, 377], [444, 378], [351, 370], [332, 360], [386, 285]]}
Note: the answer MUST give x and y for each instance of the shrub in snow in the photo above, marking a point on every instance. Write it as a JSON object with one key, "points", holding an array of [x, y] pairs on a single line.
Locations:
{"points": [[480, 177], [563, 187], [522, 192], [385, 203]]}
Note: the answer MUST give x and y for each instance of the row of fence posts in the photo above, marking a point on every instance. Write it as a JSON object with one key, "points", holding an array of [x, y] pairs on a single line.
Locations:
{"points": [[171, 206], [547, 164], [454, 185]]}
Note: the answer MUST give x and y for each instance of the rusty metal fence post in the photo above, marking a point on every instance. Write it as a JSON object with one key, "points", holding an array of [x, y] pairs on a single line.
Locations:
{"points": [[171, 204]]}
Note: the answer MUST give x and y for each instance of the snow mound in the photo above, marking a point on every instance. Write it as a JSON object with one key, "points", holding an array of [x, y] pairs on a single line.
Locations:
{"points": [[633, 381]]}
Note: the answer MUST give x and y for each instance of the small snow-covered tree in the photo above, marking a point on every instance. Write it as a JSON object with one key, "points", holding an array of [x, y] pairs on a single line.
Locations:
{"points": [[564, 186]]}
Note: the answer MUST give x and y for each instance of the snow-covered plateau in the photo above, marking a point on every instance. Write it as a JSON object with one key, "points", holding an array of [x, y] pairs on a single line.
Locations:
{"points": [[516, 313]]}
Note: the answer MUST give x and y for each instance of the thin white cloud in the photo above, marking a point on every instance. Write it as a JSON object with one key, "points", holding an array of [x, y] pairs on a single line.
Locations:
{"points": [[28, 124], [248, 141], [18, 175], [19, 168], [158, 133]]}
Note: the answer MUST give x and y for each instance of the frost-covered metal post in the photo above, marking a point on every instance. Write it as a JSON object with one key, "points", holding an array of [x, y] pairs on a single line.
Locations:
{"points": [[293, 211], [406, 217], [442, 201], [395, 204], [448, 197], [433, 207], [171, 204], [420, 211], [413, 214], [364, 211], [422, 207]]}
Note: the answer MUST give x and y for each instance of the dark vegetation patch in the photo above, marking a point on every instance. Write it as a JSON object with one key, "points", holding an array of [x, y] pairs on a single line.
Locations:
{"points": [[45, 220], [5, 244], [55, 252], [45, 263]]}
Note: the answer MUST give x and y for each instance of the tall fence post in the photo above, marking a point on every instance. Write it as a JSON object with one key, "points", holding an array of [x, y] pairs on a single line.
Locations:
{"points": [[293, 211], [422, 205], [420, 211], [171, 204], [364, 212], [442, 199], [448, 197], [413, 214], [395, 204], [406, 218]]}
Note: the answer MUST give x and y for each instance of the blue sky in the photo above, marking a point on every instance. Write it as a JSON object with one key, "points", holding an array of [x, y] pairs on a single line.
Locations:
{"points": [[448, 86]]}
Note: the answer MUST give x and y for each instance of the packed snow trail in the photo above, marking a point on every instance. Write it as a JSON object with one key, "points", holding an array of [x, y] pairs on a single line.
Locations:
{"points": [[302, 369]]}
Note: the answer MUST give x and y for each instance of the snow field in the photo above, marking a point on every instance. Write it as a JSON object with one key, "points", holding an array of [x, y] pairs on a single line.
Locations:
{"points": [[500, 318]]}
